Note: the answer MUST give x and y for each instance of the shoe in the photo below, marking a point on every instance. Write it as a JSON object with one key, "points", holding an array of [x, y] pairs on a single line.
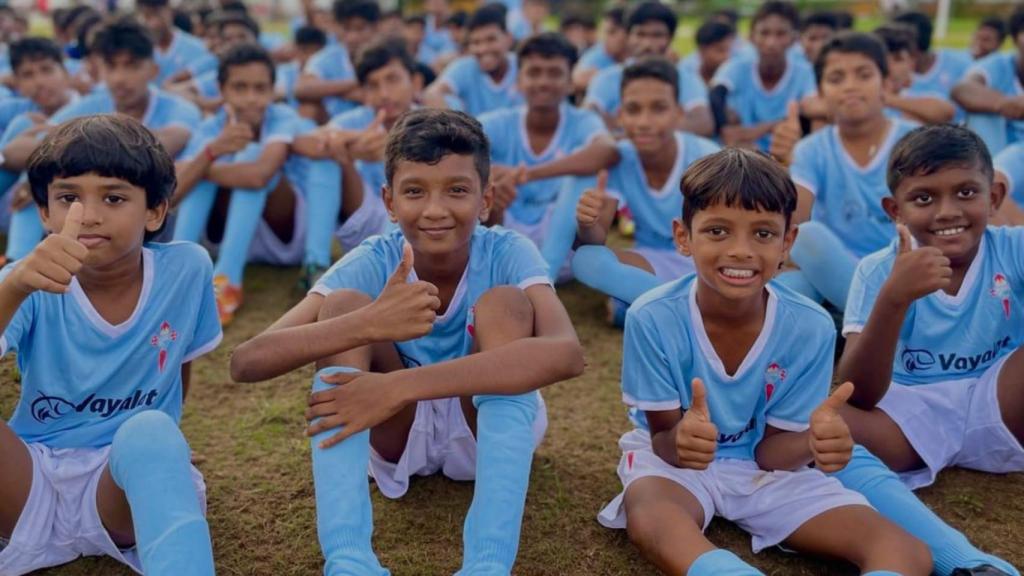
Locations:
{"points": [[229, 298], [311, 274], [983, 570], [627, 227]]}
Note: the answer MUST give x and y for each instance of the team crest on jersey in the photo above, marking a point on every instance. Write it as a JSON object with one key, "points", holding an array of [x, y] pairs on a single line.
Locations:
{"points": [[161, 341], [1001, 291], [773, 377]]}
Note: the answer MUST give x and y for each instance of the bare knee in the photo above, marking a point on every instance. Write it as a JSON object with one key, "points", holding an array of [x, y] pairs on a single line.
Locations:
{"points": [[502, 314], [341, 302], [893, 548]]}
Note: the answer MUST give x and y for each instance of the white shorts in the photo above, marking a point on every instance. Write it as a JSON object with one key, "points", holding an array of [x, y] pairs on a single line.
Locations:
{"points": [[537, 232], [668, 264], [440, 440], [954, 423], [267, 248], [369, 220], [768, 505], [60, 522]]}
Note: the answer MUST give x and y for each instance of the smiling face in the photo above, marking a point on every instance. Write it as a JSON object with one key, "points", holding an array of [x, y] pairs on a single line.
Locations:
{"points": [[649, 114], [851, 85], [249, 90], [650, 38], [489, 45], [544, 82], [44, 81]]}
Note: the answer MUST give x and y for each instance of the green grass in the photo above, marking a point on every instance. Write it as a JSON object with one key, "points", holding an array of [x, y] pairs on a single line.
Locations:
{"points": [[256, 462]]}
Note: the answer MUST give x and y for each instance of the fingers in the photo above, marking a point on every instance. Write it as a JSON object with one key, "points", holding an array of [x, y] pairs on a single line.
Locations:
{"points": [[73, 221], [906, 242], [404, 267], [378, 122], [602, 182], [839, 398], [699, 404], [793, 113], [232, 116]]}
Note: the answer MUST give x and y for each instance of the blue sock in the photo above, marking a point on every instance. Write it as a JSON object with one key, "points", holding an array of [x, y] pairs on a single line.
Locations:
{"points": [[599, 268], [797, 281], [950, 549], [150, 461], [344, 518], [992, 128], [721, 563], [194, 211], [825, 261], [26, 231], [244, 214], [561, 232], [504, 454], [322, 190]]}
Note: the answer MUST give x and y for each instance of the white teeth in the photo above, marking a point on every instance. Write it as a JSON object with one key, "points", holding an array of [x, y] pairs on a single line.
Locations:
{"points": [[737, 273], [950, 231]]}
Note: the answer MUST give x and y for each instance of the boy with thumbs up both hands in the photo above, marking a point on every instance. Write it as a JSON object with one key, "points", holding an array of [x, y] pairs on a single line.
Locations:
{"points": [[727, 378], [106, 324]]}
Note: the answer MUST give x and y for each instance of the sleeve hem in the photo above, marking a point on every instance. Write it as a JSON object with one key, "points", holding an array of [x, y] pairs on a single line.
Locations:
{"points": [[533, 281], [852, 329], [653, 406], [787, 425], [805, 184], [204, 349]]}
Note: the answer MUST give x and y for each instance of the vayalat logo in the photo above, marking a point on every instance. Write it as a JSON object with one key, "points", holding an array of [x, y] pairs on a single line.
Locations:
{"points": [[49, 408], [921, 360]]}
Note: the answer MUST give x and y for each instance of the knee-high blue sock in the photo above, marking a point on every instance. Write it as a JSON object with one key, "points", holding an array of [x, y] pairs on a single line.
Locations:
{"points": [[323, 202], [504, 454], [797, 281], [992, 129], [194, 211], [561, 230], [721, 563], [244, 213], [825, 261], [26, 231], [950, 549], [149, 460], [344, 518], [599, 268]]}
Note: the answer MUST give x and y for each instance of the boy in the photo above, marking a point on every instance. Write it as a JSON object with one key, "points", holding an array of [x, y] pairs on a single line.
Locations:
{"points": [[308, 41], [650, 27], [1009, 168], [179, 55], [610, 51], [991, 92], [653, 158], [988, 37], [245, 149], [328, 82], [433, 400], [127, 318], [714, 47], [935, 71], [484, 80], [751, 362], [233, 29], [934, 329], [815, 29], [757, 91], [579, 29], [899, 41]]}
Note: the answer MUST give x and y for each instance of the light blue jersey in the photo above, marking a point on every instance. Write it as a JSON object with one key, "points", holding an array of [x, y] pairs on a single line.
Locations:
{"points": [[357, 120], [287, 76], [783, 378], [119, 370], [948, 69], [332, 63], [477, 91], [605, 90], [1011, 163], [653, 210], [497, 257], [12, 107], [847, 196], [755, 104], [15, 128], [596, 58], [207, 85], [437, 38], [946, 337], [186, 52], [1000, 73], [510, 146], [280, 124]]}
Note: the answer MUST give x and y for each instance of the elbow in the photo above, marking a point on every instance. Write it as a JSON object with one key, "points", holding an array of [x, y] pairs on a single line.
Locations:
{"points": [[243, 368], [573, 361]]}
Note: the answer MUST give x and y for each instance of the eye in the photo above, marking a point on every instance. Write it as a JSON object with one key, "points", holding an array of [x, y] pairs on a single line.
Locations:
{"points": [[716, 231], [459, 190], [413, 191], [764, 234], [67, 198], [922, 199], [114, 199], [966, 193]]}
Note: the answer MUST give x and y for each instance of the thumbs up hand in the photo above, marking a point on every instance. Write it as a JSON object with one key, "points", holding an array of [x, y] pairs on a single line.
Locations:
{"points": [[56, 260], [591, 204], [916, 272], [404, 310], [830, 439], [696, 435], [234, 137], [786, 134]]}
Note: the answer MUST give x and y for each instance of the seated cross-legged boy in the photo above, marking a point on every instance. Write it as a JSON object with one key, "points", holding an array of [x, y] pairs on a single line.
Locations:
{"points": [[727, 380], [926, 109], [934, 330], [420, 336], [95, 464], [653, 158]]}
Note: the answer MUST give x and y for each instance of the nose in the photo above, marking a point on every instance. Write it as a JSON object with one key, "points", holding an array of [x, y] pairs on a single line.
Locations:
{"points": [[948, 209], [739, 248], [434, 209]]}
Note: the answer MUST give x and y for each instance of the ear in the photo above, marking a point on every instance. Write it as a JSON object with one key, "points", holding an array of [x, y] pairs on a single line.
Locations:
{"points": [[681, 235], [892, 208], [44, 216], [417, 83], [155, 216], [788, 239], [997, 193], [487, 202], [389, 202], [152, 70]]}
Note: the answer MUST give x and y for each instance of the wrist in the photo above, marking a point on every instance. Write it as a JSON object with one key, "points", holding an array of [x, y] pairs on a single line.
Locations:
{"points": [[890, 299], [210, 154]]}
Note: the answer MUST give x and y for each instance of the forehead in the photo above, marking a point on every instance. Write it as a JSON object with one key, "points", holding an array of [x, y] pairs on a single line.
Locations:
{"points": [[34, 61], [248, 72], [236, 28], [486, 31], [123, 59], [92, 181], [542, 60], [773, 22], [647, 90], [649, 27], [394, 65], [836, 59], [452, 167], [948, 176], [722, 212]]}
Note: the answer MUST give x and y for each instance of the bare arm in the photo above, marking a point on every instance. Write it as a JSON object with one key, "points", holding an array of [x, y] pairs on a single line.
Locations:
{"points": [[309, 88], [173, 138], [804, 205], [974, 95], [698, 121], [868, 356], [433, 96], [581, 78], [783, 450], [925, 109], [251, 175], [18, 150], [663, 434], [186, 380], [600, 153]]}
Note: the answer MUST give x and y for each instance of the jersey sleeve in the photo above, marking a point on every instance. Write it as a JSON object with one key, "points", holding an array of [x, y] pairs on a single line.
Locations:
{"points": [[693, 93], [494, 128], [21, 323], [519, 262], [458, 76], [208, 333], [727, 75], [16, 127], [989, 70], [198, 140], [182, 113], [868, 279], [647, 382], [81, 107], [602, 92], [1009, 244], [330, 65], [1010, 162], [586, 126], [807, 384], [284, 125], [364, 269], [805, 170], [203, 63]]}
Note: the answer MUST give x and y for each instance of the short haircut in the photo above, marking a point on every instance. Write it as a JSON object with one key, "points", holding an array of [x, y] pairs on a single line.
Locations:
{"points": [[650, 11], [238, 19], [458, 19], [123, 36], [379, 54], [242, 54], [488, 15], [844, 19], [368, 10], [417, 19], [819, 18], [427, 135], [729, 14], [737, 177], [616, 15], [32, 49], [849, 42], [425, 72], [997, 25], [929, 149], [896, 37], [87, 30], [1016, 23], [182, 20], [785, 10], [578, 18], [655, 68], [152, 3], [713, 32], [234, 6], [109, 145], [61, 17], [310, 36], [922, 23], [547, 45]]}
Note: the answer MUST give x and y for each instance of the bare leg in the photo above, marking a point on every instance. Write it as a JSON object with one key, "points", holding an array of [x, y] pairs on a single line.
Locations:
{"points": [[665, 521], [634, 259], [877, 432], [15, 482], [1011, 394]]}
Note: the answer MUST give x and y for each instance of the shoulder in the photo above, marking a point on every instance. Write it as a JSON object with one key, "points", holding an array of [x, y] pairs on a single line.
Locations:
{"points": [[811, 145], [699, 145], [463, 64], [191, 41], [803, 313], [498, 117], [877, 264], [176, 103], [610, 75], [653, 303], [184, 259]]}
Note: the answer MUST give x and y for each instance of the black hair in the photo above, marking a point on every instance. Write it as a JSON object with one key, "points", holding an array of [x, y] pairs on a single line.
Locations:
{"points": [[729, 14], [824, 18], [547, 45], [388, 14], [713, 32], [86, 33], [34, 48], [152, 3], [844, 19], [1016, 23], [645, 12], [123, 36], [617, 15], [182, 20], [109, 145], [310, 36], [737, 177], [785, 10], [896, 37], [458, 18], [655, 68], [379, 54], [929, 149], [238, 19], [849, 42], [61, 17], [578, 18], [922, 24], [242, 54], [234, 6], [426, 72], [488, 15], [418, 19], [368, 10], [997, 25], [427, 135]]}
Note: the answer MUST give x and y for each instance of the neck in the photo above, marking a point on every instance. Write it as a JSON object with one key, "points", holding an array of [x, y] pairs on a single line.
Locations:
{"points": [[443, 269], [136, 110], [48, 111], [924, 63], [717, 309], [871, 129], [663, 160], [771, 71], [114, 276], [166, 38], [540, 119], [498, 73]]}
